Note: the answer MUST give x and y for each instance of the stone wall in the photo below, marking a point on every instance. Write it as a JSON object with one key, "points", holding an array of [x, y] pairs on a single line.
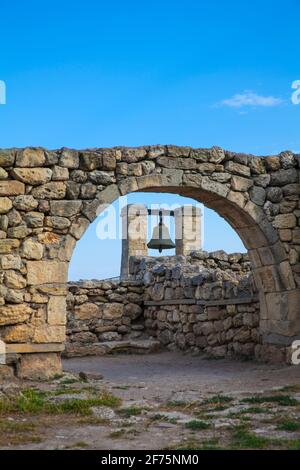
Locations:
{"points": [[49, 198], [218, 330], [105, 317], [204, 302]]}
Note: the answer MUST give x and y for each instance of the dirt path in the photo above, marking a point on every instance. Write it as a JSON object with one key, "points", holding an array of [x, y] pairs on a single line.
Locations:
{"points": [[158, 401]]}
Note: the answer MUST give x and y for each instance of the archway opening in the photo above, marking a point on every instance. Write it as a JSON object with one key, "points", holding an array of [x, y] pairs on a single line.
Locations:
{"points": [[186, 302]]}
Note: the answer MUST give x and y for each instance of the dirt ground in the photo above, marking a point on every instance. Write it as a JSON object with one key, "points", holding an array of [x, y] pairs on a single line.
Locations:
{"points": [[158, 401]]}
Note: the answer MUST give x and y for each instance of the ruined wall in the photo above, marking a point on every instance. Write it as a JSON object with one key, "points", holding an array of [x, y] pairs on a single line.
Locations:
{"points": [[204, 302], [49, 198], [105, 317]]}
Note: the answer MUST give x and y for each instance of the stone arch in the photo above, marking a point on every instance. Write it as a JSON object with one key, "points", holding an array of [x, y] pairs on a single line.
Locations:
{"points": [[48, 199]]}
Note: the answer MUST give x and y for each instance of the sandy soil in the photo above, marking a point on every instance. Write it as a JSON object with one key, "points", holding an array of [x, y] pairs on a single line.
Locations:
{"points": [[160, 396]]}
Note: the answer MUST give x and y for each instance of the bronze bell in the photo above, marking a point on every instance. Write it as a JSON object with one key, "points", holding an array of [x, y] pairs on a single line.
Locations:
{"points": [[161, 239]]}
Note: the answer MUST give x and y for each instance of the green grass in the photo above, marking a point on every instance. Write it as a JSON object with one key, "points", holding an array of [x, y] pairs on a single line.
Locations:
{"points": [[294, 445], [177, 404], [289, 425], [31, 401], [17, 432], [7, 426], [283, 400], [196, 425], [210, 444], [79, 444], [218, 402], [130, 411], [255, 410], [117, 434], [244, 439]]}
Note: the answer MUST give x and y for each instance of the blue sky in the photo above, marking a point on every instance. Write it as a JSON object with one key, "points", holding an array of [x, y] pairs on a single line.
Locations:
{"points": [[95, 73]]}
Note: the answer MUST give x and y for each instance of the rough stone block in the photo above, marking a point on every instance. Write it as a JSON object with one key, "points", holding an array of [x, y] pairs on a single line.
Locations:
{"points": [[56, 311], [39, 366], [44, 272], [11, 188]]}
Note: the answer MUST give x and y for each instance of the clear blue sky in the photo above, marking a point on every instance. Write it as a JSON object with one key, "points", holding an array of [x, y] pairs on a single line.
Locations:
{"points": [[199, 73]]}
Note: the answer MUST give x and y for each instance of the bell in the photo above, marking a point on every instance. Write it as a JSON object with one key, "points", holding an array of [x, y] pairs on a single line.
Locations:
{"points": [[161, 239]]}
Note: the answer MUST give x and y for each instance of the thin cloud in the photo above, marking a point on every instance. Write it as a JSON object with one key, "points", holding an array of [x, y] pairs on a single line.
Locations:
{"points": [[250, 99]]}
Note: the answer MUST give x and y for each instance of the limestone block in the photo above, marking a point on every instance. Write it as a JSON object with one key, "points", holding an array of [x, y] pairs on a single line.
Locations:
{"points": [[291, 189], [17, 334], [86, 311], [44, 272], [49, 334], [56, 311], [88, 191], [21, 231], [32, 176], [272, 163], [34, 219], [14, 280], [60, 223], [12, 314], [8, 245], [128, 185], [101, 177], [65, 208], [256, 165], [32, 249], [274, 194], [133, 155], [90, 161], [78, 227], [25, 203], [11, 188], [283, 221], [179, 163], [39, 366], [60, 174], [10, 262], [238, 183], [214, 187], [69, 159], [257, 195], [52, 190], [283, 177], [112, 311], [7, 158], [237, 169], [237, 198], [30, 157], [5, 205]]}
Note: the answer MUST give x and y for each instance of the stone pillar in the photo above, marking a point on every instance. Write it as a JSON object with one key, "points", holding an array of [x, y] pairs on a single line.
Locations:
{"points": [[134, 234], [188, 229]]}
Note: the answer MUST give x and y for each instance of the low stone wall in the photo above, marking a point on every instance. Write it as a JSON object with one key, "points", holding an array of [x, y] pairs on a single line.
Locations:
{"points": [[204, 302], [201, 275], [218, 330], [104, 316]]}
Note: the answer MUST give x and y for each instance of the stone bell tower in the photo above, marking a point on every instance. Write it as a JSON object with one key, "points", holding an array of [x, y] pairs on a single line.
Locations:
{"points": [[134, 234], [188, 234]]}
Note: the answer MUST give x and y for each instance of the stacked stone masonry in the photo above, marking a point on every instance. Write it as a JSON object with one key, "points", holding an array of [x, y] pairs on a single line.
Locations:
{"points": [[104, 317], [205, 302], [49, 198]]}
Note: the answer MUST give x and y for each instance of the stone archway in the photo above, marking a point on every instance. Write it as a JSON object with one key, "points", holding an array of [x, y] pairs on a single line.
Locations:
{"points": [[49, 198]]}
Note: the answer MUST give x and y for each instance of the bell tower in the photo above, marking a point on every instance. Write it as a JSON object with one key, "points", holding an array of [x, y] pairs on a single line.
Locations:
{"points": [[134, 234], [188, 236]]}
